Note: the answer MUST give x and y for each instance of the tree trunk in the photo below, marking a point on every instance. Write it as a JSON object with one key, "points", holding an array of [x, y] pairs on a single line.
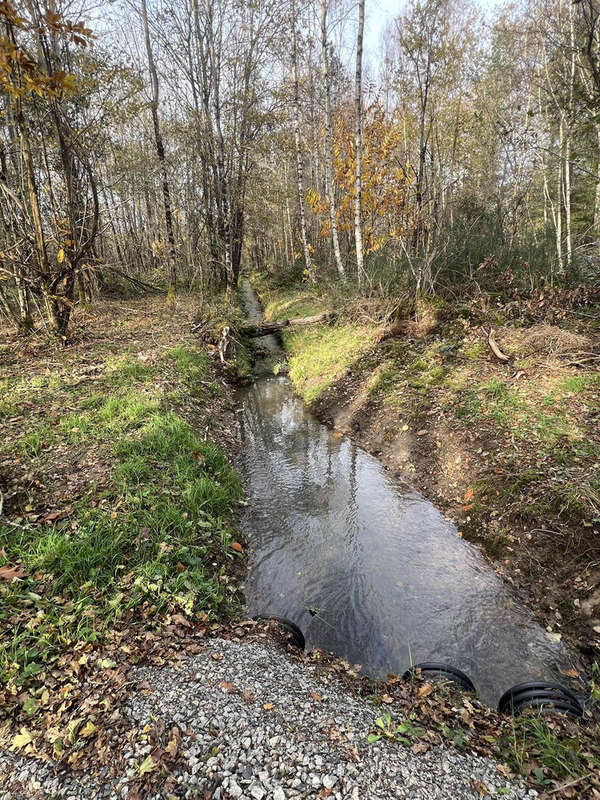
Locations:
{"points": [[329, 184], [299, 168], [597, 192], [569, 234], [160, 153], [559, 191], [358, 144]]}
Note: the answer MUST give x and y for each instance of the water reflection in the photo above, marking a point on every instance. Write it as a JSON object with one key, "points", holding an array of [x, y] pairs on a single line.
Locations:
{"points": [[367, 569]]}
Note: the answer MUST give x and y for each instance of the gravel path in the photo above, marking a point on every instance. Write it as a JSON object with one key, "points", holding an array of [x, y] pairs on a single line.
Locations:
{"points": [[260, 727]]}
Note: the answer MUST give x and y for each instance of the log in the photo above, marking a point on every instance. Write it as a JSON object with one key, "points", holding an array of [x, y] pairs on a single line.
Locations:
{"points": [[272, 327]]}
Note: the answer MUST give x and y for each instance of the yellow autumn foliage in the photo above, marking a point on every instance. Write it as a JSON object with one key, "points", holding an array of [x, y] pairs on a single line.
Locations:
{"points": [[386, 176]]}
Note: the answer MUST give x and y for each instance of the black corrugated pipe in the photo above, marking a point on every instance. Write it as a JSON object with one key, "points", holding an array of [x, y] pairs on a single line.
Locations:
{"points": [[297, 637], [430, 669], [546, 697]]}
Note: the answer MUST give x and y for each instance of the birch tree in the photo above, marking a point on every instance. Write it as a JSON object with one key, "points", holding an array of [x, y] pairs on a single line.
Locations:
{"points": [[329, 182], [358, 144], [299, 161]]}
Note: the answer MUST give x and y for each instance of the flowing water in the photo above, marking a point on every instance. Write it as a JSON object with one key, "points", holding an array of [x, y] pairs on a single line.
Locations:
{"points": [[368, 568]]}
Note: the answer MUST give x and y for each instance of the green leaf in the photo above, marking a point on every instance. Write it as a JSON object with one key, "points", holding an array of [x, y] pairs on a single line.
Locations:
{"points": [[30, 706]]}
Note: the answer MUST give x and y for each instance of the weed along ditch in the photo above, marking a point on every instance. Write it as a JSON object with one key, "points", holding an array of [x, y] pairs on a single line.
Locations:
{"points": [[365, 566]]}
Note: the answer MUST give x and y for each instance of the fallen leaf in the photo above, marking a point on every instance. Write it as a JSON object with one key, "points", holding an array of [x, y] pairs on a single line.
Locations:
{"points": [[21, 740], [237, 547], [229, 687], [316, 697], [479, 787], [571, 673], [89, 729], [425, 690], [421, 432], [147, 765], [172, 746], [10, 573], [385, 698], [469, 494], [216, 656]]}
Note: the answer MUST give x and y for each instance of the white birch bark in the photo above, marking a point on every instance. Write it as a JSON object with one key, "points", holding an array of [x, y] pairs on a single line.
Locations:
{"points": [[299, 168], [329, 183], [358, 144]]}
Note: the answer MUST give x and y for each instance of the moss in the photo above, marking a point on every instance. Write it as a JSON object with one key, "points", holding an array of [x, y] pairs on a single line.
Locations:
{"points": [[474, 350]]}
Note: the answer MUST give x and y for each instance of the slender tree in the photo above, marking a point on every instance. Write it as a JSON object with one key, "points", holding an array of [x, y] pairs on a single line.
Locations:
{"points": [[358, 144], [160, 152], [299, 163], [329, 183]]}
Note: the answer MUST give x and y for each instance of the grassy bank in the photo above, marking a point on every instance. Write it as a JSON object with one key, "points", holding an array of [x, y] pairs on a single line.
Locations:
{"points": [[509, 450], [117, 491]]}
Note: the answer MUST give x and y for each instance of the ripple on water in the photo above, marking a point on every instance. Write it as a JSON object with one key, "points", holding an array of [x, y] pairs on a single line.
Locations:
{"points": [[369, 570]]}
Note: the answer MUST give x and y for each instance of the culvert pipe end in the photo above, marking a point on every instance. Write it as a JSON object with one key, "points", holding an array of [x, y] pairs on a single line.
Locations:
{"points": [[297, 637], [547, 698], [435, 671]]}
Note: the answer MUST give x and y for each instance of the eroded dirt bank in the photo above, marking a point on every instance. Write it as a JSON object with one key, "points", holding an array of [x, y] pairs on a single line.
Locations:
{"points": [[510, 450]]}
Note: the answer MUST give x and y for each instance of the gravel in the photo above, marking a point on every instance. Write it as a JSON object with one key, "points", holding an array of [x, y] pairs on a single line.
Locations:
{"points": [[258, 726]]}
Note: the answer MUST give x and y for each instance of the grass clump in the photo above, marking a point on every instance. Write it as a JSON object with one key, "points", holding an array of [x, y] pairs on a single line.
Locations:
{"points": [[536, 748], [126, 368], [319, 356]]}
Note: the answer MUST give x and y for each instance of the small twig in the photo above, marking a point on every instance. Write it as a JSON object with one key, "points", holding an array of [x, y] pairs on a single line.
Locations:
{"points": [[568, 785]]}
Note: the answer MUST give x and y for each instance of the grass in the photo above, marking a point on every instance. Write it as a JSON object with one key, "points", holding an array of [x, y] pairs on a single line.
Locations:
{"points": [[319, 356], [295, 303], [534, 747], [154, 541]]}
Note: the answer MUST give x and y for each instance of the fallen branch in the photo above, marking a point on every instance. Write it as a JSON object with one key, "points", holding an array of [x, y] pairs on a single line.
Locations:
{"points": [[561, 787], [224, 344], [136, 281], [272, 327], [494, 347]]}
